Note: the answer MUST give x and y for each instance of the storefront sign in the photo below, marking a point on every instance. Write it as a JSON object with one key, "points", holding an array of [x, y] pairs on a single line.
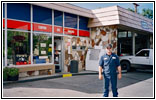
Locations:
{"points": [[144, 25], [14, 24], [70, 31], [84, 33], [58, 29], [152, 23], [42, 27]]}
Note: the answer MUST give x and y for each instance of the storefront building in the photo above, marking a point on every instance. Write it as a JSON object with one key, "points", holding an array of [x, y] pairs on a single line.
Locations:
{"points": [[127, 31], [42, 38]]}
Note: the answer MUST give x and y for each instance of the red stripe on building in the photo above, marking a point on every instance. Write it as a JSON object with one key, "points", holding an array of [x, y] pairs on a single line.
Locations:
{"points": [[84, 33], [58, 29], [3, 23], [13, 24], [41, 27], [70, 31]]}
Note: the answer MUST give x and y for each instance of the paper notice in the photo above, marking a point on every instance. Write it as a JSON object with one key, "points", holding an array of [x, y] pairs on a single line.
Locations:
{"points": [[43, 52], [43, 44]]}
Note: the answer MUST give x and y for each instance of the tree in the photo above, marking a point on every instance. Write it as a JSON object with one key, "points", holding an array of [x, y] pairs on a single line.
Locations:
{"points": [[147, 13], [132, 10]]}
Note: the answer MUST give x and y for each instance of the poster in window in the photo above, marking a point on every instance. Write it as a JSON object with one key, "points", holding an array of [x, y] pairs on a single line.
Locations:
{"points": [[43, 52], [43, 44]]}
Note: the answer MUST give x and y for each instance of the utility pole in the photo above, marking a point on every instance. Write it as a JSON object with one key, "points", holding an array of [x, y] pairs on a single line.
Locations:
{"points": [[135, 5]]}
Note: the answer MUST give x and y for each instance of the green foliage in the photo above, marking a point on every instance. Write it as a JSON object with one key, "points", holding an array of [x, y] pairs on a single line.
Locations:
{"points": [[10, 51], [147, 13], [132, 10], [5, 73], [13, 71]]}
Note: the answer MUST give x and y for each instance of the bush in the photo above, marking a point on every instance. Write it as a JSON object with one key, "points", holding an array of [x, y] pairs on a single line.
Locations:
{"points": [[13, 72], [5, 73]]}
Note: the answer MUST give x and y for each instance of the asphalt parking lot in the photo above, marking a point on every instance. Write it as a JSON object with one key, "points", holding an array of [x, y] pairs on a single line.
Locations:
{"points": [[132, 84]]}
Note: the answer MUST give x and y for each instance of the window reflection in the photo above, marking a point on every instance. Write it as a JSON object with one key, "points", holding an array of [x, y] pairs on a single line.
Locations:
{"points": [[42, 15], [58, 18], [70, 20], [83, 21]]}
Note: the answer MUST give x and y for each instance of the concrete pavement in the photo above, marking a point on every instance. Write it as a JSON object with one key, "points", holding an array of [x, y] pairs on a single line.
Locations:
{"points": [[141, 89], [132, 85]]}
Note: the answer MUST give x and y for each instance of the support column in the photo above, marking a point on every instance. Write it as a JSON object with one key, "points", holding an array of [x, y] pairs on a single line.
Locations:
{"points": [[5, 35], [52, 36], [62, 53], [77, 26], [31, 36], [133, 43]]}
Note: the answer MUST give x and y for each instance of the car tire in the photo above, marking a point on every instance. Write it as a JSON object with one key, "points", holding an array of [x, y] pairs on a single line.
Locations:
{"points": [[125, 65]]}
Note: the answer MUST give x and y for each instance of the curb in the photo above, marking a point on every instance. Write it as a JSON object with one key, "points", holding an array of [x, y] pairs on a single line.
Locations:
{"points": [[48, 77]]}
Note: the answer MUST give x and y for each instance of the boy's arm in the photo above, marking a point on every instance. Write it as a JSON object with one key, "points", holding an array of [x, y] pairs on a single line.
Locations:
{"points": [[100, 73], [119, 72]]}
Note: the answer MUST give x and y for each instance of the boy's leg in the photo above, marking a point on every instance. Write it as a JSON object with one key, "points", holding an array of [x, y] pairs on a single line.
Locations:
{"points": [[114, 85], [106, 86]]}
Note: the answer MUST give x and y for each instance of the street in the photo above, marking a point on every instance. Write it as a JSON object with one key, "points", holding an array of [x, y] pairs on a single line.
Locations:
{"points": [[132, 84]]}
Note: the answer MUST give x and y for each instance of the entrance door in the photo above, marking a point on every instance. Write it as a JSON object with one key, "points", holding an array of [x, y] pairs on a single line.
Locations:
{"points": [[58, 53]]}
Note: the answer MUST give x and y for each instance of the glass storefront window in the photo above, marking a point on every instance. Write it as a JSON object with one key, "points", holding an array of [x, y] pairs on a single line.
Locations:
{"points": [[122, 34], [42, 48], [141, 42], [124, 42], [70, 20], [42, 15], [129, 34], [3, 15], [20, 11], [58, 18], [18, 49], [3, 10], [83, 23]]}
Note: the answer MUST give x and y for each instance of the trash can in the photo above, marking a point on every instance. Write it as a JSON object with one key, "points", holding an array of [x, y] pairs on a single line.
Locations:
{"points": [[74, 66]]}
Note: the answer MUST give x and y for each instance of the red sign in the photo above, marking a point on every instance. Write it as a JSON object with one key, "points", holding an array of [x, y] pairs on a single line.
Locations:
{"points": [[42, 27], [84, 33], [3, 23], [70, 31], [58, 29], [13, 24]]}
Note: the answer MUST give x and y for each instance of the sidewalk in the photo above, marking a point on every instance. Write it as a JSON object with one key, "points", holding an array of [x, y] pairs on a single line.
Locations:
{"points": [[56, 75], [140, 89]]}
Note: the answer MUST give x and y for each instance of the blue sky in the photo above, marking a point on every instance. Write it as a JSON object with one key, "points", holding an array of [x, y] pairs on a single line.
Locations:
{"points": [[93, 5]]}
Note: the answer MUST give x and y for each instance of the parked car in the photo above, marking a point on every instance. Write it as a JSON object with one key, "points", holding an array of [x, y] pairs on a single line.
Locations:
{"points": [[142, 59]]}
